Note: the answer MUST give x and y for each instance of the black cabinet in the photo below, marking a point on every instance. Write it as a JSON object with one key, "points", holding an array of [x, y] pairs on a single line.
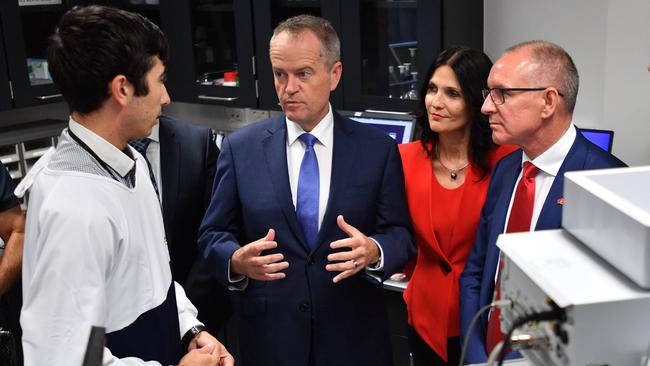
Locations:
{"points": [[147, 8], [210, 42], [26, 29], [211, 47], [212, 50], [387, 44], [219, 48], [5, 92], [384, 45]]}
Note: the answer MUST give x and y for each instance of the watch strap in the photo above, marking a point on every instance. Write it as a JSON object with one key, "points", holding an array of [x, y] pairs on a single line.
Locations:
{"points": [[190, 334]]}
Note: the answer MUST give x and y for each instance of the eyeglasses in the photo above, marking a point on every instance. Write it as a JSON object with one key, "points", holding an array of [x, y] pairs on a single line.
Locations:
{"points": [[498, 95]]}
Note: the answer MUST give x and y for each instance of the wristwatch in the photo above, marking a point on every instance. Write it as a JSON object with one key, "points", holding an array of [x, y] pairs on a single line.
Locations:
{"points": [[190, 334]]}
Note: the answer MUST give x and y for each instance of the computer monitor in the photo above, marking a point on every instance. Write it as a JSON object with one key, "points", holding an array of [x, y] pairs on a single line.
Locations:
{"points": [[601, 138], [397, 126]]}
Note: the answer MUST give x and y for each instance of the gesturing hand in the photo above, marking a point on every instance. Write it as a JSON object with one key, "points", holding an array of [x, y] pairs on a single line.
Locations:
{"points": [[363, 252], [249, 262]]}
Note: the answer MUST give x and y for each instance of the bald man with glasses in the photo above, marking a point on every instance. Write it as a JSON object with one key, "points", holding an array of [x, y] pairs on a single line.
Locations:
{"points": [[530, 101]]}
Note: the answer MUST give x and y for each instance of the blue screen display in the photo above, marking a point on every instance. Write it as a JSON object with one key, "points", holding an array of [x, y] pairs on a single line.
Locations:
{"points": [[601, 138], [400, 130]]}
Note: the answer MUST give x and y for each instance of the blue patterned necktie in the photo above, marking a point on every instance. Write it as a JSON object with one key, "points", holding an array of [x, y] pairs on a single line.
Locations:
{"points": [[308, 191], [141, 146]]}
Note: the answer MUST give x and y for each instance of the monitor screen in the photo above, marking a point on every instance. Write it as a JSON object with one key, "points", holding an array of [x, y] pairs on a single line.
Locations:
{"points": [[399, 127], [601, 138]]}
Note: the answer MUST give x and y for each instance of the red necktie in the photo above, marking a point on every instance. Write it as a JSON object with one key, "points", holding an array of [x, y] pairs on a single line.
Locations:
{"points": [[521, 214]]}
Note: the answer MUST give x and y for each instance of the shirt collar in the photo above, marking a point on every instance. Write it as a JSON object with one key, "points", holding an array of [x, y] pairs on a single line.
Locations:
{"points": [[155, 132], [551, 160], [111, 155], [322, 131]]}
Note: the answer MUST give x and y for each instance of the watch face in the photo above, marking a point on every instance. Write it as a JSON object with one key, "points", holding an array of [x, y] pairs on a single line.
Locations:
{"points": [[193, 332]]}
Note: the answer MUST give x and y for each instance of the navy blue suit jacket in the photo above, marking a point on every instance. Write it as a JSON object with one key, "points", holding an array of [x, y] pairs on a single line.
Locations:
{"points": [[477, 280], [188, 157], [305, 318]]}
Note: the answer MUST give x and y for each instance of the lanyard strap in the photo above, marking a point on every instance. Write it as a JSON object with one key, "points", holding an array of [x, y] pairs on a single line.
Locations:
{"points": [[101, 162]]}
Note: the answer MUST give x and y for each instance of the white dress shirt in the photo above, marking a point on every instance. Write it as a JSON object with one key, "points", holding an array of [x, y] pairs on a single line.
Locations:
{"points": [[549, 163], [111, 155], [324, 148]]}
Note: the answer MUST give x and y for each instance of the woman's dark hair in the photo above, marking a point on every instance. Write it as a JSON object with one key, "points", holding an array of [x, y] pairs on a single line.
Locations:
{"points": [[93, 44], [472, 68]]}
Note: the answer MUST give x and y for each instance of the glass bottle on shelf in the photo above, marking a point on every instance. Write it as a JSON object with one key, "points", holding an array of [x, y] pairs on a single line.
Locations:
{"points": [[413, 93]]}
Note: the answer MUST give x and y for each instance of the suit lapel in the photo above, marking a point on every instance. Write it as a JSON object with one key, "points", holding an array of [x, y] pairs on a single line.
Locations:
{"points": [[342, 166], [430, 201], [511, 169], [274, 145], [170, 150]]}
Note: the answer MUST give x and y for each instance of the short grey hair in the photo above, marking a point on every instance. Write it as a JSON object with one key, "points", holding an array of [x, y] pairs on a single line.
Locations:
{"points": [[556, 66], [330, 43]]}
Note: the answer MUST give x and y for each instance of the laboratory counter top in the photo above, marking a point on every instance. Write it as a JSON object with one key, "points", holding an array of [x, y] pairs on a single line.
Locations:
{"points": [[397, 286]]}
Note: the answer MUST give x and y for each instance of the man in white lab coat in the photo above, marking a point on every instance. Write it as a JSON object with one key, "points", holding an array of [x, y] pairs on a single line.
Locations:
{"points": [[95, 249]]}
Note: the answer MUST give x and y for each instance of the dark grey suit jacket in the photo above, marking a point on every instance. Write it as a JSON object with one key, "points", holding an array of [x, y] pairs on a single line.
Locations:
{"points": [[188, 157]]}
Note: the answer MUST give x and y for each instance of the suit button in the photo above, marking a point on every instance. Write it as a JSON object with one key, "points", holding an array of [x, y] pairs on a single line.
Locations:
{"points": [[303, 307], [310, 262], [445, 266]]}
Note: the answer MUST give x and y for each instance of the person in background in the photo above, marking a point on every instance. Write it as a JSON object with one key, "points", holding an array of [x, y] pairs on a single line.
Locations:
{"points": [[307, 213], [12, 233], [182, 158], [446, 174], [95, 250], [531, 94]]}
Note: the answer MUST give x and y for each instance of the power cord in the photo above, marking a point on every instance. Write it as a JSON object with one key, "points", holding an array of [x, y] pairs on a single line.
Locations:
{"points": [[645, 360], [495, 304], [556, 313], [495, 354]]}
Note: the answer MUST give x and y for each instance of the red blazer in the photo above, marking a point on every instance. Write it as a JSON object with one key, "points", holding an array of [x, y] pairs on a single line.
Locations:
{"points": [[444, 223]]}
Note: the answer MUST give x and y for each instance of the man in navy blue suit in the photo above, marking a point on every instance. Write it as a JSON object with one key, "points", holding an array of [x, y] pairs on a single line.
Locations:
{"points": [[308, 213], [533, 90]]}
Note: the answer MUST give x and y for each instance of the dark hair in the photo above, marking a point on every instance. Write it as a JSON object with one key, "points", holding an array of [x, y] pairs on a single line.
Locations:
{"points": [[556, 67], [322, 28], [91, 45], [472, 68]]}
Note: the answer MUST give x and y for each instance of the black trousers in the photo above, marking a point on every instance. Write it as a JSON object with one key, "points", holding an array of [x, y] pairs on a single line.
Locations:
{"points": [[423, 355], [10, 304]]}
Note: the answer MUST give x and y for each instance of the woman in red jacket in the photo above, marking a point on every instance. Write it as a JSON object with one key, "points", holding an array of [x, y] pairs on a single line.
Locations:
{"points": [[447, 174]]}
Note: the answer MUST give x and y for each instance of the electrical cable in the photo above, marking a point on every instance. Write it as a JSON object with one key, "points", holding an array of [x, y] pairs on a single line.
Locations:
{"points": [[645, 360], [554, 314], [495, 354], [499, 304]]}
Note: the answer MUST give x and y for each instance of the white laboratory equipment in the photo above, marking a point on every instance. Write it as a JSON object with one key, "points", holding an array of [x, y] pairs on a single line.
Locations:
{"points": [[592, 276]]}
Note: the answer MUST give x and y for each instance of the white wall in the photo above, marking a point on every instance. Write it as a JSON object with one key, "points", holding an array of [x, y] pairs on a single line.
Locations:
{"points": [[609, 41]]}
